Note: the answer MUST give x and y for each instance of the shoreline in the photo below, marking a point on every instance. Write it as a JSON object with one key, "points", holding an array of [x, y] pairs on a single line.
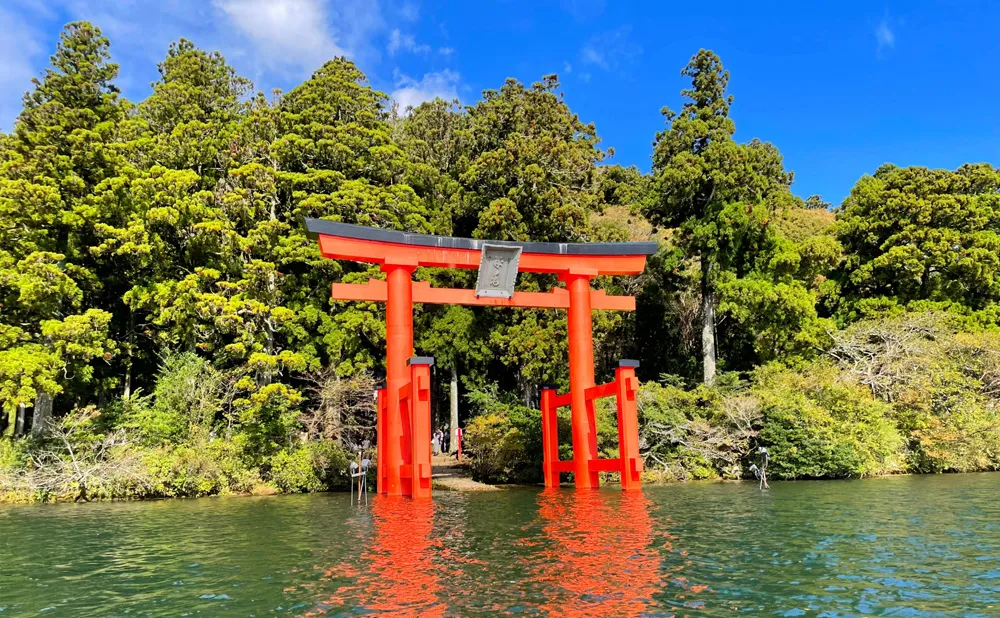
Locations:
{"points": [[464, 484]]}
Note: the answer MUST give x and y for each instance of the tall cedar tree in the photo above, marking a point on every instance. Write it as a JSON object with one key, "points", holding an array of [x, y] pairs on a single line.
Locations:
{"points": [[52, 294], [718, 193]]}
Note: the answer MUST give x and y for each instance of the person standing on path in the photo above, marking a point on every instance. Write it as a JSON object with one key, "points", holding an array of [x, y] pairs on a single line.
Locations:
{"points": [[436, 442]]}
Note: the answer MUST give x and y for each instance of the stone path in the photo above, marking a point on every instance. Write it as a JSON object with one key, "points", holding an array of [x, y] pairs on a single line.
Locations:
{"points": [[449, 475]]}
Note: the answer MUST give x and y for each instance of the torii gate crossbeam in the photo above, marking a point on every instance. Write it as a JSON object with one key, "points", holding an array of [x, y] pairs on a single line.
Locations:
{"points": [[404, 406]]}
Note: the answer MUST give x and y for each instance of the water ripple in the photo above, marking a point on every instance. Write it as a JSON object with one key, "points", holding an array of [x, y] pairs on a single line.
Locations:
{"points": [[910, 546]]}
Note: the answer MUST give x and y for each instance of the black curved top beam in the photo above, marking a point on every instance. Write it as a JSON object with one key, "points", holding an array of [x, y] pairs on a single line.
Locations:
{"points": [[315, 227]]}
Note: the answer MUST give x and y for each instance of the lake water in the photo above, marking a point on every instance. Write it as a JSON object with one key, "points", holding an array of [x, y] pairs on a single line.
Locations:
{"points": [[906, 546]]}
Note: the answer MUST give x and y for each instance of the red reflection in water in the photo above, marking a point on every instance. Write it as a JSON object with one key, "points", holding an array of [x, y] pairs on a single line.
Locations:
{"points": [[600, 559], [400, 579], [587, 553]]}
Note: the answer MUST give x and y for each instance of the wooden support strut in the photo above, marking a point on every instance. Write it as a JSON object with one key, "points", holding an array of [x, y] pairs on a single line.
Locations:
{"points": [[381, 402], [550, 437], [399, 348], [629, 464], [627, 385], [418, 398], [559, 401], [581, 377]]}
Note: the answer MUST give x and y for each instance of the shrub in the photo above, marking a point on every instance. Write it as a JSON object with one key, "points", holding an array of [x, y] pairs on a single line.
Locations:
{"points": [[76, 462], [187, 397], [314, 466], [239, 476], [951, 414], [943, 385], [184, 471], [13, 454], [330, 461], [344, 410], [267, 418], [504, 441], [497, 450], [293, 472], [818, 424], [700, 433]]}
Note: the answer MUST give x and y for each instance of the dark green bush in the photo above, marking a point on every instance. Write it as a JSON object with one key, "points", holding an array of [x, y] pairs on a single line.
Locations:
{"points": [[504, 439], [180, 440], [187, 398], [701, 433], [314, 466]]}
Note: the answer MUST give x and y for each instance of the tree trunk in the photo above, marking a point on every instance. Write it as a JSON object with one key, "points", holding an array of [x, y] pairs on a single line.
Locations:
{"points": [[707, 323], [526, 391], [453, 442], [20, 421], [272, 286], [127, 391], [4, 421], [42, 414]]}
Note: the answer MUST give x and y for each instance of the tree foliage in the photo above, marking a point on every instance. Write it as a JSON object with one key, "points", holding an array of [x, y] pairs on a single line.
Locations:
{"points": [[915, 234], [164, 316], [723, 198]]}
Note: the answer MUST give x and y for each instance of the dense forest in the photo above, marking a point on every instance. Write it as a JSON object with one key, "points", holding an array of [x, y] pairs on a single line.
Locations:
{"points": [[166, 327]]}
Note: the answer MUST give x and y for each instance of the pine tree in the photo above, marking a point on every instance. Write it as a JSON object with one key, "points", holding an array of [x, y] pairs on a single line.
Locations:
{"points": [[61, 148], [719, 193]]}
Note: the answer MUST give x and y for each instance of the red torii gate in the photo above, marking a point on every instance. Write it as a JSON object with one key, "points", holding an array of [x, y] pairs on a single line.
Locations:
{"points": [[404, 458]]}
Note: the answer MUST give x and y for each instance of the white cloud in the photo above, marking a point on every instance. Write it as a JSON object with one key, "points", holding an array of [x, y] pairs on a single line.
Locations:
{"points": [[410, 11], [396, 41], [411, 93], [355, 24], [276, 43], [583, 10], [567, 67], [406, 42], [284, 32], [611, 50], [884, 35], [446, 51], [21, 52], [592, 56]]}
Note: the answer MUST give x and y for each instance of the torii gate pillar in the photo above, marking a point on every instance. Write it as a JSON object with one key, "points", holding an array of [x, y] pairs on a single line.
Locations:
{"points": [[581, 377], [399, 348]]}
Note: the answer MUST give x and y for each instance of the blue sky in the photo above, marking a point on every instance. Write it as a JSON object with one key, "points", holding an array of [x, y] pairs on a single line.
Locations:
{"points": [[840, 88]]}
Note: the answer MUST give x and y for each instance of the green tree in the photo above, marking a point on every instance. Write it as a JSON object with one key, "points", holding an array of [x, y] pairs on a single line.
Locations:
{"points": [[337, 160], [816, 202], [454, 337], [437, 140], [916, 234], [60, 149], [518, 165], [532, 166], [719, 193], [530, 176], [159, 231]]}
